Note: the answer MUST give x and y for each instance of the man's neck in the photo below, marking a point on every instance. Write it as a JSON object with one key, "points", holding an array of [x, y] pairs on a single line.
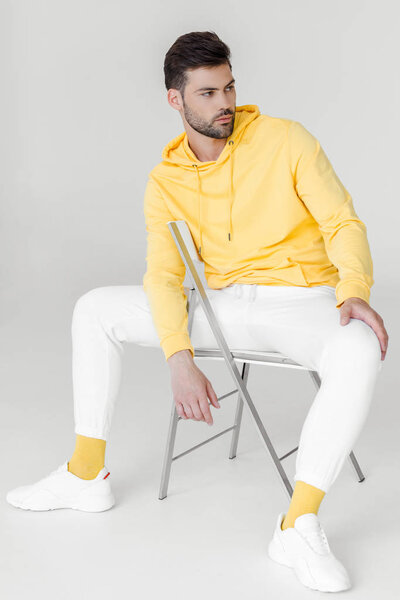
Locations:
{"points": [[205, 149]]}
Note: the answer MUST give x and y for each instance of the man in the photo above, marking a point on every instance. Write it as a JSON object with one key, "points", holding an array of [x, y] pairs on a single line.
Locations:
{"points": [[283, 250]]}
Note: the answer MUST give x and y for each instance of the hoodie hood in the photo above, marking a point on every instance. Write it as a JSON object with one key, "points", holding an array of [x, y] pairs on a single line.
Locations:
{"points": [[178, 152]]}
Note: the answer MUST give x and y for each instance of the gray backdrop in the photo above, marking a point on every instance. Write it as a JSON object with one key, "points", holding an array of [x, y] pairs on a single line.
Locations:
{"points": [[84, 118]]}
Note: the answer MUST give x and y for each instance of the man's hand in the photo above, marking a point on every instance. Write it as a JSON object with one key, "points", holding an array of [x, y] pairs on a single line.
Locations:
{"points": [[191, 388], [357, 308]]}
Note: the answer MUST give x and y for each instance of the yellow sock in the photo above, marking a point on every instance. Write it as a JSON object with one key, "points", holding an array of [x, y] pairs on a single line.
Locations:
{"points": [[88, 457], [305, 499]]}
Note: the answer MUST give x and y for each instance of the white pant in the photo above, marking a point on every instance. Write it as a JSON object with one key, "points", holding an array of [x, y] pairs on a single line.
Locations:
{"points": [[302, 323]]}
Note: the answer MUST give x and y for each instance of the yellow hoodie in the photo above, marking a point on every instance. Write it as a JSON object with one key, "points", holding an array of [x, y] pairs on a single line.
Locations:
{"points": [[270, 210]]}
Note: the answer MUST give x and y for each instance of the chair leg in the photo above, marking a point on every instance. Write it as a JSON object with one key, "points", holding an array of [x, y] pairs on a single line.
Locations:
{"points": [[173, 423], [174, 419], [168, 456], [239, 413], [317, 380], [267, 444], [357, 467]]}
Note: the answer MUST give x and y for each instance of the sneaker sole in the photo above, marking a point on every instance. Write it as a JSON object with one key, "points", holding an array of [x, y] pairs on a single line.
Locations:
{"points": [[277, 554], [95, 505]]}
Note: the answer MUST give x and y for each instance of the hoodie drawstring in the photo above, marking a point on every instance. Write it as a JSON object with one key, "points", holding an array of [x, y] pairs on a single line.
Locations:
{"points": [[198, 206], [231, 142], [230, 200]]}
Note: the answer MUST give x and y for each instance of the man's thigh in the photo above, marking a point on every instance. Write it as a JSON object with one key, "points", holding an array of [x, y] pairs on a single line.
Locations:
{"points": [[123, 311], [230, 311], [304, 324]]}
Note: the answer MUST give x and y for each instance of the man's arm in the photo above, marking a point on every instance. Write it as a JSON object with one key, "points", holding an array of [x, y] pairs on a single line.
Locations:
{"points": [[345, 235], [163, 284], [328, 201], [163, 280]]}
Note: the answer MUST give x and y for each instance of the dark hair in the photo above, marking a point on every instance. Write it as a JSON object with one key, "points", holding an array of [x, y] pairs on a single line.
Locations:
{"points": [[190, 51]]}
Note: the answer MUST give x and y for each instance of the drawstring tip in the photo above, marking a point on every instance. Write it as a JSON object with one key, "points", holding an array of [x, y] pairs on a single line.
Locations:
{"points": [[229, 236], [199, 249]]}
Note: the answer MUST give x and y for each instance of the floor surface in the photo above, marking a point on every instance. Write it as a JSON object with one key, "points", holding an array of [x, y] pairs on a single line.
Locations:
{"points": [[208, 538]]}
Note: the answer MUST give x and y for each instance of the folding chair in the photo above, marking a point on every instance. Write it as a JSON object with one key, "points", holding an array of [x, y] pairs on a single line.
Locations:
{"points": [[184, 241]]}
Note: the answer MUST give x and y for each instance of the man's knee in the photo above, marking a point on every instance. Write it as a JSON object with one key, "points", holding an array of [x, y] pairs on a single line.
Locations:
{"points": [[357, 343], [352, 348], [91, 300]]}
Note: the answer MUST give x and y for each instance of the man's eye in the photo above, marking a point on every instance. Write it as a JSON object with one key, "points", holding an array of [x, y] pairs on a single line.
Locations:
{"points": [[228, 88]]}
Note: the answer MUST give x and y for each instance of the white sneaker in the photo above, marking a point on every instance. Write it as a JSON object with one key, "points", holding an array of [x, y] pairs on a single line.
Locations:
{"points": [[62, 489], [306, 550]]}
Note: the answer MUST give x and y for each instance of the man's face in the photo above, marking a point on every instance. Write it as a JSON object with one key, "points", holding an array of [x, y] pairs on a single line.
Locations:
{"points": [[210, 94]]}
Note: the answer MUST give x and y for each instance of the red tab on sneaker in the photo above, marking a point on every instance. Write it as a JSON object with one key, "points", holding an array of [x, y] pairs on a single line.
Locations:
{"points": [[106, 475]]}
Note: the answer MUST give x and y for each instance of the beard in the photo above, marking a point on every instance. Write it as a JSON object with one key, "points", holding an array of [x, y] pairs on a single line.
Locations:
{"points": [[210, 129]]}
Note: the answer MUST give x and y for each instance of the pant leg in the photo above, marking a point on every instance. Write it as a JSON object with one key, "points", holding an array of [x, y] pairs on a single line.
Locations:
{"points": [[103, 320], [304, 324]]}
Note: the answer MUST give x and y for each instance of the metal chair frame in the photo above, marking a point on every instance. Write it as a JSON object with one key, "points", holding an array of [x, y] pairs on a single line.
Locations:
{"points": [[184, 241]]}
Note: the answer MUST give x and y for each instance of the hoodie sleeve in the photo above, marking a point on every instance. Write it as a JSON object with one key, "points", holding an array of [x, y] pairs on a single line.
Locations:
{"points": [[163, 280], [330, 204]]}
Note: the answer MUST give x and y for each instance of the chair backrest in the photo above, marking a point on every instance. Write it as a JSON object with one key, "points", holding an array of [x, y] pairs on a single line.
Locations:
{"points": [[181, 228], [184, 241], [188, 251]]}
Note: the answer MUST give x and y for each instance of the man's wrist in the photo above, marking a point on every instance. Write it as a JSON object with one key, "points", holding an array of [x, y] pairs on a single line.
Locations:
{"points": [[180, 357]]}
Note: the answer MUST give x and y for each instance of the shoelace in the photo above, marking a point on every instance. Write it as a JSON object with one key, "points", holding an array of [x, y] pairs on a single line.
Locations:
{"points": [[317, 540]]}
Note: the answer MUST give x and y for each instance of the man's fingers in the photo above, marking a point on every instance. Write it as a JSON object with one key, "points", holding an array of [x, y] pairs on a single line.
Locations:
{"points": [[196, 410], [188, 411], [345, 314], [199, 408], [205, 407], [382, 334], [370, 317], [376, 324], [199, 411], [374, 321], [180, 410], [212, 395]]}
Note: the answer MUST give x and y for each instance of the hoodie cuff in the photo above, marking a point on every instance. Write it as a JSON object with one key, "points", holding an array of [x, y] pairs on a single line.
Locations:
{"points": [[176, 342], [351, 289]]}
